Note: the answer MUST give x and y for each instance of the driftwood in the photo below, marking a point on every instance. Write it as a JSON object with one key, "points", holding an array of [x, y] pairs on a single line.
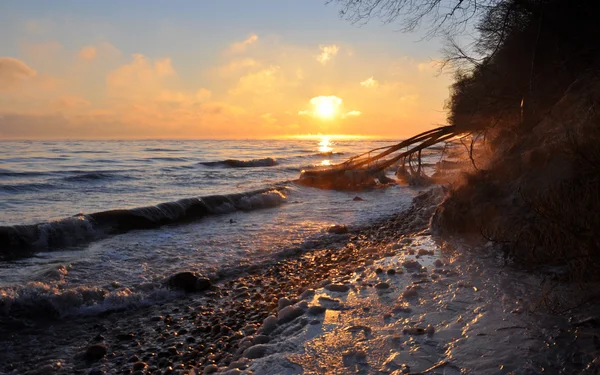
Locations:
{"points": [[368, 169]]}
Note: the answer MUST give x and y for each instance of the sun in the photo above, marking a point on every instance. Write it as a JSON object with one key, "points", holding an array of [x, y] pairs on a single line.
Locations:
{"points": [[326, 107]]}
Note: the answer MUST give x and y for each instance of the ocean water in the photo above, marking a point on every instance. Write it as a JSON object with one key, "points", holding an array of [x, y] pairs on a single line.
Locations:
{"points": [[96, 225]]}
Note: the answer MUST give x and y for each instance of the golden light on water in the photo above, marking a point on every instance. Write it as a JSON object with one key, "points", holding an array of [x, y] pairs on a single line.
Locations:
{"points": [[325, 145]]}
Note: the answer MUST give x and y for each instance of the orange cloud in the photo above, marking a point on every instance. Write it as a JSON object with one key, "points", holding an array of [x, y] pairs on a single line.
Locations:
{"points": [[87, 53], [240, 47], [70, 102], [140, 78], [370, 83], [328, 52], [13, 72]]}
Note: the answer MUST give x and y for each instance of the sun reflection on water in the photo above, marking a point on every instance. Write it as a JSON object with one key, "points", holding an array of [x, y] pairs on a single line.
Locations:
{"points": [[325, 145]]}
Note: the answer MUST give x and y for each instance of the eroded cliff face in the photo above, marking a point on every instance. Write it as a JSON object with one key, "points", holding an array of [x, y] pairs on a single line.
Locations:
{"points": [[538, 194]]}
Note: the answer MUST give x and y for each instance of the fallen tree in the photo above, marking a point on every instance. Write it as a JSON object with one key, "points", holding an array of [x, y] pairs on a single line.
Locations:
{"points": [[368, 169]]}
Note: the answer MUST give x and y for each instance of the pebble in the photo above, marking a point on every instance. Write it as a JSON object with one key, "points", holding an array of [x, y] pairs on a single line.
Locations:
{"points": [[139, 366], [95, 352], [316, 310], [283, 302], [269, 325], [342, 288], [410, 292], [391, 271], [256, 351], [261, 339], [210, 369], [337, 229], [289, 313], [306, 294], [411, 264], [382, 286]]}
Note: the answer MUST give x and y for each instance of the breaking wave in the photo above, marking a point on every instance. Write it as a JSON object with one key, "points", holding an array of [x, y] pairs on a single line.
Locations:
{"points": [[23, 240], [234, 163]]}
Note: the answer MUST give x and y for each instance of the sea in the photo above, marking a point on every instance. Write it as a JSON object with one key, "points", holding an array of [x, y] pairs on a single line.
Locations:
{"points": [[90, 226]]}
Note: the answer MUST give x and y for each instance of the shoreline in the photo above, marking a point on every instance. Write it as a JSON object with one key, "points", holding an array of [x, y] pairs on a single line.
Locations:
{"points": [[214, 331]]}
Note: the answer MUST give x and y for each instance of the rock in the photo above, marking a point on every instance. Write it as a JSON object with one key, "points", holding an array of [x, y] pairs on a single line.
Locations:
{"points": [[337, 229], [391, 271], [342, 288], [357, 198], [401, 309], [95, 352], [125, 336], [410, 292], [256, 351], [411, 264], [188, 282], [379, 270], [138, 366], [240, 364], [438, 263], [283, 302], [414, 331], [269, 325], [423, 252], [306, 294], [210, 369], [289, 313], [261, 339], [430, 330], [316, 310], [382, 286]]}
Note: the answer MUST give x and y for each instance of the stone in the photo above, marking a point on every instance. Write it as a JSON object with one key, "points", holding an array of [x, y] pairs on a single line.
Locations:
{"points": [[308, 293], [382, 286], [414, 331], [410, 292], [261, 339], [357, 198], [256, 351], [138, 366], [411, 264], [391, 271], [289, 313], [283, 302], [210, 369], [316, 310], [438, 263], [337, 229], [342, 288], [269, 325], [188, 282], [95, 352]]}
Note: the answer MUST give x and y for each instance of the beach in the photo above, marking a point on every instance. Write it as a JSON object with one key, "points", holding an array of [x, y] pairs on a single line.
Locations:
{"points": [[385, 298]]}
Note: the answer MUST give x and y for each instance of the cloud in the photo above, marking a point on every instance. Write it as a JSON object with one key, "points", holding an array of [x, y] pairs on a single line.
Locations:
{"points": [[13, 72], [70, 102], [140, 78], [351, 114], [87, 53], [370, 83], [327, 53], [237, 65], [260, 82], [240, 47]]}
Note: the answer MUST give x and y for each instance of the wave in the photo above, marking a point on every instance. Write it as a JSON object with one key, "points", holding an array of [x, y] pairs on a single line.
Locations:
{"points": [[234, 163], [168, 158], [160, 150], [48, 300], [9, 173], [19, 188], [93, 176], [24, 240]]}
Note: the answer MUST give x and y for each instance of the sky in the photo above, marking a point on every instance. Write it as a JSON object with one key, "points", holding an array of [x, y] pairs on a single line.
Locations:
{"points": [[211, 69]]}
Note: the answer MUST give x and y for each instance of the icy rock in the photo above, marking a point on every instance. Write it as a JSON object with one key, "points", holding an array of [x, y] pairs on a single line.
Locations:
{"points": [[342, 288], [261, 339], [337, 229], [289, 313], [316, 310], [306, 294], [256, 351], [188, 282], [410, 292], [411, 264], [283, 302], [269, 324]]}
